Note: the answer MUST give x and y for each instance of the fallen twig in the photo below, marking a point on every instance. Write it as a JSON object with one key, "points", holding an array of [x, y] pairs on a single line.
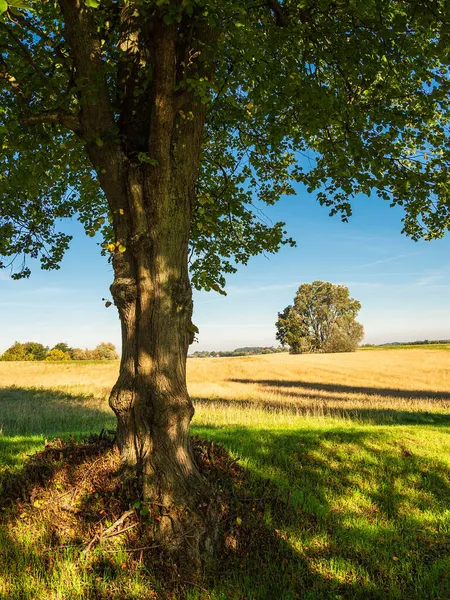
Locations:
{"points": [[104, 537], [110, 531]]}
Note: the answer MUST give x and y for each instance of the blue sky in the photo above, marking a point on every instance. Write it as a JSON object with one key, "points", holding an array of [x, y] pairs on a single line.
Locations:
{"points": [[403, 286]]}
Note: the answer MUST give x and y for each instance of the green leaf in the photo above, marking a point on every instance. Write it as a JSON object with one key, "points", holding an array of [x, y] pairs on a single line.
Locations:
{"points": [[143, 157], [3, 6], [20, 4], [92, 3]]}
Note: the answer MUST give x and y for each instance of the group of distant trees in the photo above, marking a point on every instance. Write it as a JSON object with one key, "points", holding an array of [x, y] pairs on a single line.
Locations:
{"points": [[59, 352], [246, 351]]}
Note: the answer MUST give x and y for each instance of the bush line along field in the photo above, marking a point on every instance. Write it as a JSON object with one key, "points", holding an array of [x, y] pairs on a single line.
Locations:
{"points": [[353, 448]]}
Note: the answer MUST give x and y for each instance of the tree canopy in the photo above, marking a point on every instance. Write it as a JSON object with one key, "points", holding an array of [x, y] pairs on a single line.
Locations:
{"points": [[345, 97], [322, 319]]}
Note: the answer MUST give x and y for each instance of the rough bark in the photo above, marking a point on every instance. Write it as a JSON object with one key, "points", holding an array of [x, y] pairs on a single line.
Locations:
{"points": [[152, 293]]}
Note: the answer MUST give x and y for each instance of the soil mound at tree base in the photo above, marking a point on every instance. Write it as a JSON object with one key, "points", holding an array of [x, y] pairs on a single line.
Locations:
{"points": [[72, 499]]}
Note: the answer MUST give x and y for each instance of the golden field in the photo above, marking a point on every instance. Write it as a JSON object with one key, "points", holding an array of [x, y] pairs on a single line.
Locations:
{"points": [[323, 384]]}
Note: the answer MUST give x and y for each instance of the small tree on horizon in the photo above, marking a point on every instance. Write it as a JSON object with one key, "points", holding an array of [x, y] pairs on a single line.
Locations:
{"points": [[64, 347], [322, 319], [106, 351]]}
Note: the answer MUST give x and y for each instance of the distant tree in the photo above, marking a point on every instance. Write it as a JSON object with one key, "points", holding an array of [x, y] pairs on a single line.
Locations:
{"points": [[64, 348], [78, 354], [322, 319], [26, 351], [15, 352], [56, 355], [345, 336], [106, 351], [292, 331], [36, 350]]}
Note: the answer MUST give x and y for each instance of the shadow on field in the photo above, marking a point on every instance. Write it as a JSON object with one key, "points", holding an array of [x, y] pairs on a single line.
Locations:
{"points": [[355, 517], [294, 527], [348, 389], [319, 407]]}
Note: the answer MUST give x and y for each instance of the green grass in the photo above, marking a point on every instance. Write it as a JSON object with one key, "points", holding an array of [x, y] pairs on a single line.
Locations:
{"points": [[343, 508], [28, 417], [367, 508], [408, 347]]}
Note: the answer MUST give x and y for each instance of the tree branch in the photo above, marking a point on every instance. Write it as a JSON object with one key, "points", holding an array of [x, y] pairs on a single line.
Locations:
{"points": [[81, 34], [280, 16], [55, 118]]}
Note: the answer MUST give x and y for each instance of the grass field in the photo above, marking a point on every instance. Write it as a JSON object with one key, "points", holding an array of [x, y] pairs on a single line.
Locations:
{"points": [[348, 458]]}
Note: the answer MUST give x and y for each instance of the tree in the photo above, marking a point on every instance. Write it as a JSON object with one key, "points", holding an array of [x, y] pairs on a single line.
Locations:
{"points": [[106, 351], [160, 122], [57, 355], [16, 352], [26, 351], [322, 319], [64, 348], [79, 354]]}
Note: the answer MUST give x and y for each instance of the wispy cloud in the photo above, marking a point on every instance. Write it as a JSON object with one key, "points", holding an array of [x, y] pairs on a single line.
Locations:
{"points": [[43, 305], [434, 278], [363, 238], [386, 260], [228, 326], [427, 281], [39, 294]]}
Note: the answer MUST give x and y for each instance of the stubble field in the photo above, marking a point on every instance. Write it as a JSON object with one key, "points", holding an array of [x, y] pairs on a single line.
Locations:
{"points": [[347, 457]]}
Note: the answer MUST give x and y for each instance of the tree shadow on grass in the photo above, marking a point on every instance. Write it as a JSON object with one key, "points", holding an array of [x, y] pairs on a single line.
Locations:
{"points": [[356, 516], [254, 561], [29, 417], [45, 515], [348, 389], [320, 407]]}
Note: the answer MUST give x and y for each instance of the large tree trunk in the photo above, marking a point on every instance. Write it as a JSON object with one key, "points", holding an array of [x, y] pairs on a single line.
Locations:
{"points": [[153, 295]]}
